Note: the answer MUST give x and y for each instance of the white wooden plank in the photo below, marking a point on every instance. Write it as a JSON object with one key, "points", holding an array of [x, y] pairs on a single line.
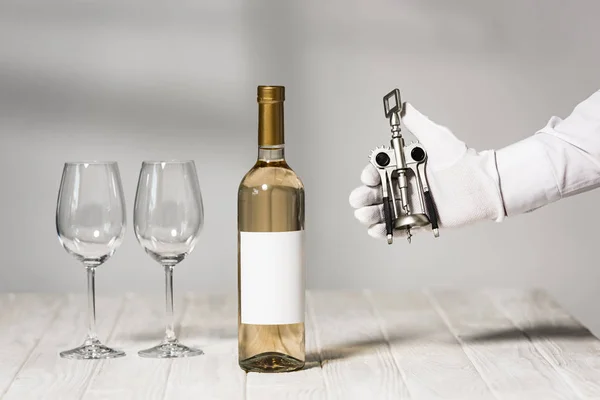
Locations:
{"points": [[513, 369], [23, 321], [45, 374], [210, 323], [309, 383], [350, 334], [141, 325], [356, 358], [432, 361], [570, 347]]}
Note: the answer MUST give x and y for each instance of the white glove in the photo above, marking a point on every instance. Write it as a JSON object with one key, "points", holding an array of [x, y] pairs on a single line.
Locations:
{"points": [[464, 183]]}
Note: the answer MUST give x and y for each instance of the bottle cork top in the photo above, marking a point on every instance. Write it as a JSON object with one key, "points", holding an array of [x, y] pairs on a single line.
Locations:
{"points": [[270, 94]]}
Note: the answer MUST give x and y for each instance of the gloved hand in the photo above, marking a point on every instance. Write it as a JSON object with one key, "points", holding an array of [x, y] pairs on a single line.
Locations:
{"points": [[464, 183]]}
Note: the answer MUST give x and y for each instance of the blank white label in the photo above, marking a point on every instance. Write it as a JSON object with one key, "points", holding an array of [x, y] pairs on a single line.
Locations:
{"points": [[272, 277]]}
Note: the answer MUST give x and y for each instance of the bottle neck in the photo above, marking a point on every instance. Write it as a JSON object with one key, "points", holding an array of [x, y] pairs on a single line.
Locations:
{"points": [[271, 153], [270, 123]]}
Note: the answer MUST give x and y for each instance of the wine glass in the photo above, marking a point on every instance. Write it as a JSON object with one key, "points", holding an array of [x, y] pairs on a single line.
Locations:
{"points": [[168, 218], [90, 222]]}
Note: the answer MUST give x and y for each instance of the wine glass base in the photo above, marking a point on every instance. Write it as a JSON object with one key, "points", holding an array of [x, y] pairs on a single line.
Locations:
{"points": [[92, 350], [170, 350]]}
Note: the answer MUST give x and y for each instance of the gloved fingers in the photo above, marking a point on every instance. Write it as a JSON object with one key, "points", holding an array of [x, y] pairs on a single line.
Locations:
{"points": [[364, 196], [378, 231], [370, 176], [370, 215], [443, 148]]}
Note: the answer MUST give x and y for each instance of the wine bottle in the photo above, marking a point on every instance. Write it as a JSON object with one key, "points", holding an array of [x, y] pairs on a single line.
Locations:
{"points": [[271, 270]]}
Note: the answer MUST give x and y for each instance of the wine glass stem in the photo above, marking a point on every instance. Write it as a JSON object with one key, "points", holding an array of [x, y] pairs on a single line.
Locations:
{"points": [[170, 330], [91, 272]]}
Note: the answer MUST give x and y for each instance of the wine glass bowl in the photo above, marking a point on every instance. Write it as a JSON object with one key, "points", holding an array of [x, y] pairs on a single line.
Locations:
{"points": [[168, 218], [90, 240], [167, 235], [91, 224]]}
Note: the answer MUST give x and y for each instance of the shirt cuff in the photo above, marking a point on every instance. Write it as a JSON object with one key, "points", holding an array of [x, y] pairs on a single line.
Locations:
{"points": [[527, 180]]}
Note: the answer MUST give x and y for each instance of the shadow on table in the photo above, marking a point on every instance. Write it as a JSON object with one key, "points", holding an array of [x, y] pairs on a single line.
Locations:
{"points": [[537, 331], [192, 332], [353, 348], [350, 349]]}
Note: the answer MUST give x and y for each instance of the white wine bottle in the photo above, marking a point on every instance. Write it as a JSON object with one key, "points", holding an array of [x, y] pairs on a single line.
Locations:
{"points": [[271, 270]]}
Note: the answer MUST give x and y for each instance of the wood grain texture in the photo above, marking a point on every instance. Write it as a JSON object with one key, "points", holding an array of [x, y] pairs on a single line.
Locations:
{"points": [[141, 325], [563, 341], [356, 359], [23, 321], [432, 361], [47, 376], [512, 367], [210, 323], [443, 344]]}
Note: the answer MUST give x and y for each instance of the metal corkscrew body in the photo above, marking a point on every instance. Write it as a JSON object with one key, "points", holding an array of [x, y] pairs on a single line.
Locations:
{"points": [[407, 201]]}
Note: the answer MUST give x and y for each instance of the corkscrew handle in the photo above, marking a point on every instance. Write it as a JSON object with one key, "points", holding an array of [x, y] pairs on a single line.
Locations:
{"points": [[396, 107]]}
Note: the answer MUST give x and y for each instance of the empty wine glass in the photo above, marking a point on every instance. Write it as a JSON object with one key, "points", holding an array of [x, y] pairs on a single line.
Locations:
{"points": [[168, 218], [90, 222]]}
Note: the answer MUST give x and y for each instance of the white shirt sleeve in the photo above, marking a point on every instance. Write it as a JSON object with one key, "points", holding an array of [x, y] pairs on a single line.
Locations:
{"points": [[560, 160]]}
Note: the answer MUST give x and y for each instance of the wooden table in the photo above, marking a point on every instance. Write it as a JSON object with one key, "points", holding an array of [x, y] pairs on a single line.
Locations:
{"points": [[361, 345]]}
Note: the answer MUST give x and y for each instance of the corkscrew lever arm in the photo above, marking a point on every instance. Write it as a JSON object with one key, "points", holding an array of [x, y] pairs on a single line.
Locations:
{"points": [[387, 206]]}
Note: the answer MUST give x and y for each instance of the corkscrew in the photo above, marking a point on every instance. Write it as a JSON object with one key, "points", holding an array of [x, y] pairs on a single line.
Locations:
{"points": [[402, 171]]}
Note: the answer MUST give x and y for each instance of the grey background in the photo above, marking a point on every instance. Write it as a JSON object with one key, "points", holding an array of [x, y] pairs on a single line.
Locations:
{"points": [[128, 81]]}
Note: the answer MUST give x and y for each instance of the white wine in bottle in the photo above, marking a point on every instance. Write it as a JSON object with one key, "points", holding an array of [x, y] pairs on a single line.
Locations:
{"points": [[271, 270]]}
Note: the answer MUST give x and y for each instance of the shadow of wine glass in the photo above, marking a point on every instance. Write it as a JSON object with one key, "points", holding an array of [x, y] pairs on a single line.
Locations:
{"points": [[192, 332]]}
